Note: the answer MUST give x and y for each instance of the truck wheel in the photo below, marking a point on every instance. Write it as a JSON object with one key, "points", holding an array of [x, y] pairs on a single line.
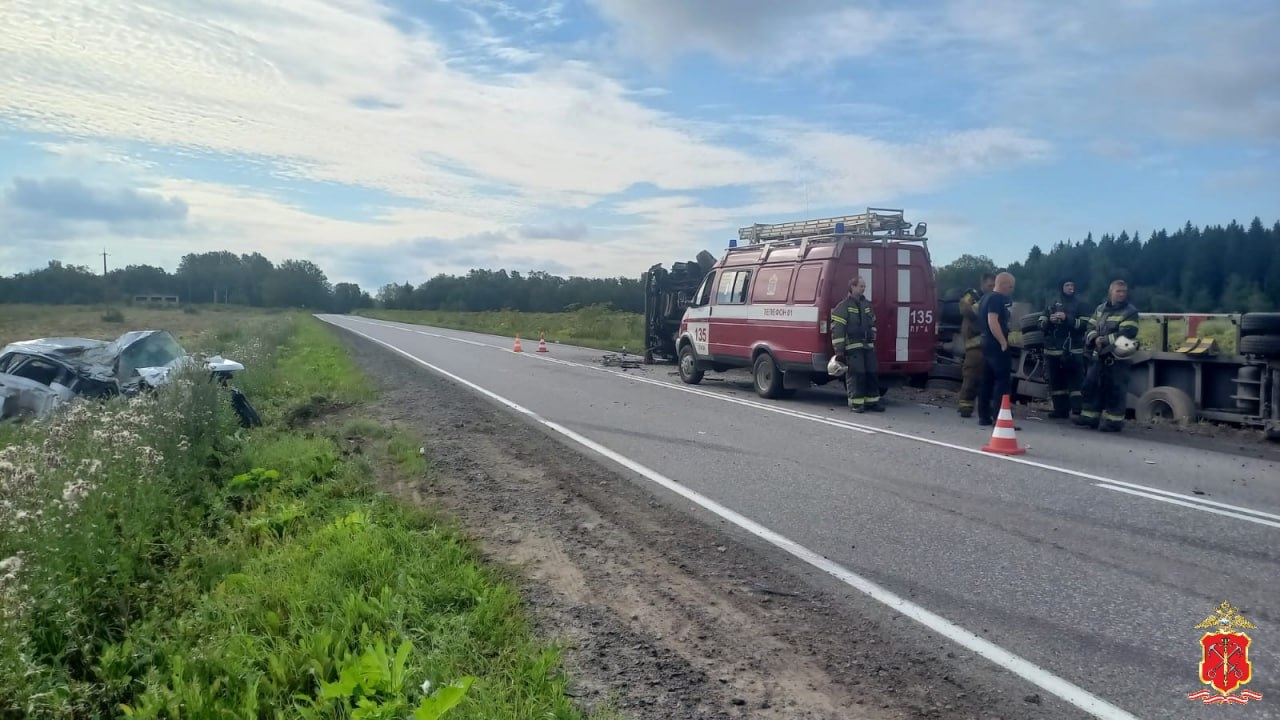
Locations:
{"points": [[1032, 338], [1259, 345], [768, 380], [1030, 321], [1167, 404], [689, 371], [1260, 323]]}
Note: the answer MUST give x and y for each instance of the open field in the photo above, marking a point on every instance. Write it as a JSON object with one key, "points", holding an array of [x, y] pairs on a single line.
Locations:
{"points": [[594, 327], [154, 556], [23, 322]]}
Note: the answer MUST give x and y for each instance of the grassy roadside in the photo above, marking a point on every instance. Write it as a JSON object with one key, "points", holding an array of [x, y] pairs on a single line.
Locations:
{"points": [[160, 562], [594, 327]]}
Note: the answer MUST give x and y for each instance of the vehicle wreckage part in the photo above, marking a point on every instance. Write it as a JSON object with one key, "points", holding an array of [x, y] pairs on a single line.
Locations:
{"points": [[1266, 345], [1165, 403], [244, 410], [1260, 323]]}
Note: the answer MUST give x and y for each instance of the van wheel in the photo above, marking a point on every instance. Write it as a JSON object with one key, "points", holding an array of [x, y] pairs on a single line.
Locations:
{"points": [[768, 379], [689, 371]]}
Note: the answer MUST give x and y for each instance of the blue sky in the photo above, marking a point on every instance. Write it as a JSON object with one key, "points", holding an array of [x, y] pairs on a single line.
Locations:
{"points": [[390, 141]]}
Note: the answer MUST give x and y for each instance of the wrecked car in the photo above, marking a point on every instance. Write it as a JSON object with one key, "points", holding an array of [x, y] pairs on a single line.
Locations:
{"points": [[38, 375]]}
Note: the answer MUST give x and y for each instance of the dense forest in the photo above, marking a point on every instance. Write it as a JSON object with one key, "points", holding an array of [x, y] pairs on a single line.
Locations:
{"points": [[1229, 268]]}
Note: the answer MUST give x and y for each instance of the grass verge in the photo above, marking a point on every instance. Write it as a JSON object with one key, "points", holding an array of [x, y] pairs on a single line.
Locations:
{"points": [[594, 327], [161, 562]]}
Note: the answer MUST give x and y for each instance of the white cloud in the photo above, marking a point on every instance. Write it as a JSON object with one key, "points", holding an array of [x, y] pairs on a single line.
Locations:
{"points": [[343, 91]]}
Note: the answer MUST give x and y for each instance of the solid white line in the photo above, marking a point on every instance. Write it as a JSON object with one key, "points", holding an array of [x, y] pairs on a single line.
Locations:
{"points": [[1190, 501], [1184, 503], [1019, 666]]}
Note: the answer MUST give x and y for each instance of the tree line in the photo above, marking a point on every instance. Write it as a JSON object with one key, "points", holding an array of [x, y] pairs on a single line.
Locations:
{"points": [[1229, 268]]}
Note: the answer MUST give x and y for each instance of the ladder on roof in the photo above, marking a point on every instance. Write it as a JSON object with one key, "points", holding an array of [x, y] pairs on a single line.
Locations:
{"points": [[874, 220]]}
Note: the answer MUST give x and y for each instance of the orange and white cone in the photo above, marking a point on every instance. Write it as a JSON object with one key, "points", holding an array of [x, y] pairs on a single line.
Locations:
{"points": [[1004, 439], [516, 347], [542, 342]]}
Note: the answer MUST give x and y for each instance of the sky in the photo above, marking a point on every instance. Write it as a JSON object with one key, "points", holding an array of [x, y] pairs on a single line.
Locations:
{"points": [[392, 141]]}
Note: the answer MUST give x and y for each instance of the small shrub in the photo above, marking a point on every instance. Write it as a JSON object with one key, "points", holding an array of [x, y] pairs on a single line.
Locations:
{"points": [[114, 315]]}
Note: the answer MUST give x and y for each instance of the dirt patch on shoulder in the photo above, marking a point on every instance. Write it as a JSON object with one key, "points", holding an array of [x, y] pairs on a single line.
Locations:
{"points": [[662, 612]]}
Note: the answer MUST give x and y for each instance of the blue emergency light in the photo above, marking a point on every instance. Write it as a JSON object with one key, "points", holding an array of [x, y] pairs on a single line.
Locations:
{"points": [[840, 228], [733, 242]]}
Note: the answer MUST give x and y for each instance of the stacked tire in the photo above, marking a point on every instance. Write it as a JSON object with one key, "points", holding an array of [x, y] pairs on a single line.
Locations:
{"points": [[1029, 326], [1260, 334]]}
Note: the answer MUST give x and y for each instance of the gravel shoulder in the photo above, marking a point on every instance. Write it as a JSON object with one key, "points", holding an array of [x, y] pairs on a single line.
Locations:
{"points": [[662, 610]]}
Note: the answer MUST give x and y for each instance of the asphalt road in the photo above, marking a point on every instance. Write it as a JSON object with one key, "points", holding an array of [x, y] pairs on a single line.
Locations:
{"points": [[1091, 558]]}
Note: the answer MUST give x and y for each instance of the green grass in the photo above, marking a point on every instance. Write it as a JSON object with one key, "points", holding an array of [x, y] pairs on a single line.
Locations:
{"points": [[594, 327], [250, 574]]}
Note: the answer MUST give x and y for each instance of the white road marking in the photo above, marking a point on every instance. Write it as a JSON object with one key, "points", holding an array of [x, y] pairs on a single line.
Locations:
{"points": [[1184, 503], [1038, 676], [1189, 501]]}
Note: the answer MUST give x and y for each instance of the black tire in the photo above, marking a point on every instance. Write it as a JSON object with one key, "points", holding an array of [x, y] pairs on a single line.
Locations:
{"points": [[1259, 345], [689, 371], [949, 312], [1032, 338], [766, 377], [947, 371], [1167, 404], [1260, 323], [244, 410], [1030, 321]]}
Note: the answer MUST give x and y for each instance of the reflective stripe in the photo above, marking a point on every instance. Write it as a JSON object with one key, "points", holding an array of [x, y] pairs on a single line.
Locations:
{"points": [[838, 318], [1109, 416], [858, 346], [1053, 353], [1076, 393], [1059, 392], [1089, 413]]}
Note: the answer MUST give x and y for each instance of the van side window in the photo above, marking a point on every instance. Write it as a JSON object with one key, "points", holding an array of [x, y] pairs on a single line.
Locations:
{"points": [[733, 287], [772, 284], [704, 291], [807, 283]]}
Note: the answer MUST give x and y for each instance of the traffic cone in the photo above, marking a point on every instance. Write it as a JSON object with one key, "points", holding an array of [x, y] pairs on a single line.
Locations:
{"points": [[516, 347], [542, 342], [1004, 440]]}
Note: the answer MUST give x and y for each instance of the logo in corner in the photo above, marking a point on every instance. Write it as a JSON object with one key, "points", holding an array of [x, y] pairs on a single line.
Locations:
{"points": [[1224, 658]]}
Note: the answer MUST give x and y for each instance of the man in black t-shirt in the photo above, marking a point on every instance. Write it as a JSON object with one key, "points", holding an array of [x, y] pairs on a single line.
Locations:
{"points": [[993, 315]]}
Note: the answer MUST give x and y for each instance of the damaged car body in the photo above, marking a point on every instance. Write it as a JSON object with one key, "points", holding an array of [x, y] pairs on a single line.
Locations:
{"points": [[38, 375]]}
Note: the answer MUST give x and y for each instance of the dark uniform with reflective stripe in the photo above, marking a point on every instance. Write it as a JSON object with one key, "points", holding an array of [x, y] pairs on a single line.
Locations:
{"points": [[1064, 347], [971, 333], [853, 334], [1106, 386]]}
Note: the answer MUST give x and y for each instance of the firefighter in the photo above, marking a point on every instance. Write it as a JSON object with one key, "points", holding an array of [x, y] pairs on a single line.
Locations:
{"points": [[1064, 324], [971, 333], [1106, 386], [853, 335]]}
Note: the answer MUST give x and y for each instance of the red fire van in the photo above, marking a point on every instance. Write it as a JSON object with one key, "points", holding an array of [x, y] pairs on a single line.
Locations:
{"points": [[766, 304]]}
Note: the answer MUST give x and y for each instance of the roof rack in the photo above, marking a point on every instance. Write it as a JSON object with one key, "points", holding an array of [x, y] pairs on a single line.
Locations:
{"points": [[873, 221]]}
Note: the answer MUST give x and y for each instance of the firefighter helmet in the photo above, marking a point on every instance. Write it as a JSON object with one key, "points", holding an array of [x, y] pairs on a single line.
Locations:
{"points": [[1125, 346], [835, 368]]}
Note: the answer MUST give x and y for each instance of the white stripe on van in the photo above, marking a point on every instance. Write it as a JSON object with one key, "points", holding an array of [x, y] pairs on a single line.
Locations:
{"points": [[867, 276], [904, 326], [864, 256], [904, 256], [904, 285], [773, 312]]}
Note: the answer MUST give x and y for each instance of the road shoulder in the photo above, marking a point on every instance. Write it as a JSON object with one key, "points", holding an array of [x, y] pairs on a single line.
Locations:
{"points": [[663, 614]]}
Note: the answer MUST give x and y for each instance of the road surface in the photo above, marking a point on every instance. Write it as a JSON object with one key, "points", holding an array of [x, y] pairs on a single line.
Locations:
{"points": [[1081, 567]]}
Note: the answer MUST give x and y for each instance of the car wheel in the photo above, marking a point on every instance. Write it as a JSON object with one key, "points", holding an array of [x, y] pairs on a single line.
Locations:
{"points": [[689, 371], [768, 379]]}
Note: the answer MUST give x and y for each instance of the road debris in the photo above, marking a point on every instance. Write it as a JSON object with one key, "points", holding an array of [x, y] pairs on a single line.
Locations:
{"points": [[623, 359]]}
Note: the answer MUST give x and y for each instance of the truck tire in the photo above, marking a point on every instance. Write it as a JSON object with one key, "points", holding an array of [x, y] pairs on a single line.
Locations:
{"points": [[1260, 323], [766, 377], [689, 371], [1165, 403], [1032, 338], [949, 312], [1266, 345], [1030, 321]]}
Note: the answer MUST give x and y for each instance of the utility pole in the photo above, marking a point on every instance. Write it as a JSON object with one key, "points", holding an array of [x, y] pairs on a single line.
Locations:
{"points": [[104, 262]]}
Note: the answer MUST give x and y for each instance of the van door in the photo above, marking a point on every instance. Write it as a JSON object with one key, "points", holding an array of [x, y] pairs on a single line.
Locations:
{"points": [[697, 317], [730, 333], [909, 289]]}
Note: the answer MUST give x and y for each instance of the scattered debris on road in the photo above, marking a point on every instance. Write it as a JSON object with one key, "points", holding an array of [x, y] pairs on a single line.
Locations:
{"points": [[624, 360]]}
